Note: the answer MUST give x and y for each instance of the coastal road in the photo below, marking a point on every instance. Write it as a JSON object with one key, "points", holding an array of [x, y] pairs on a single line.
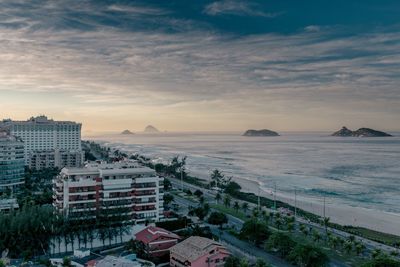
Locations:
{"points": [[210, 196]]}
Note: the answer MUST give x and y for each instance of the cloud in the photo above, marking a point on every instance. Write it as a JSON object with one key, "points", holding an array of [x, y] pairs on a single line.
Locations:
{"points": [[312, 28], [236, 7], [193, 69]]}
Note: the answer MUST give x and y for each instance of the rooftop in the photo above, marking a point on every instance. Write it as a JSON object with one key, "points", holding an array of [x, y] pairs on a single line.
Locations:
{"points": [[42, 119], [152, 233], [194, 247]]}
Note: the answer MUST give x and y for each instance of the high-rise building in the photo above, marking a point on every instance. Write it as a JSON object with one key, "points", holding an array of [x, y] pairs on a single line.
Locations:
{"points": [[88, 191], [55, 159], [42, 134], [12, 161]]}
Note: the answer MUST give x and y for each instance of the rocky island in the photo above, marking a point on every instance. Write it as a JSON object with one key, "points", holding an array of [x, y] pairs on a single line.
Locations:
{"points": [[362, 132], [263, 132], [151, 129], [126, 132]]}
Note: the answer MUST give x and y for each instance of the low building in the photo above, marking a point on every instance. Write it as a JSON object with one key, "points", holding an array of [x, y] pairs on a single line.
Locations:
{"points": [[100, 189], [198, 251], [157, 241]]}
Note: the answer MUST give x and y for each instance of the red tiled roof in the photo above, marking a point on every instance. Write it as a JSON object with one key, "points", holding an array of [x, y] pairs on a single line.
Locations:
{"points": [[152, 233]]}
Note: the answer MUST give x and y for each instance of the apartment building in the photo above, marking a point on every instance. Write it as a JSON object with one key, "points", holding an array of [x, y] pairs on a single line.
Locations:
{"points": [[55, 159], [43, 134], [11, 162], [96, 188]]}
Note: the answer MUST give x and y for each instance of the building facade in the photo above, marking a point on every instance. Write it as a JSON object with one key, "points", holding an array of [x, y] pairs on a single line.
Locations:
{"points": [[198, 251], [55, 159], [99, 188], [157, 241], [12, 161], [43, 134]]}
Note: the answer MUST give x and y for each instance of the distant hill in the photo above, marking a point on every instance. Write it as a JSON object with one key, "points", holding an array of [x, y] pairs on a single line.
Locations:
{"points": [[362, 132], [263, 132], [126, 132], [151, 129]]}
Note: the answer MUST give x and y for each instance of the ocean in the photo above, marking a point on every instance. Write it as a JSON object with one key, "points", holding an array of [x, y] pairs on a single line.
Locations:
{"points": [[358, 172]]}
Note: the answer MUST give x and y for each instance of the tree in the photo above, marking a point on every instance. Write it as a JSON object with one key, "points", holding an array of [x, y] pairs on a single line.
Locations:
{"points": [[217, 177], [198, 193], [359, 248], [232, 261], [218, 218], [348, 246], [308, 255], [232, 188], [236, 206], [303, 229], [243, 263], [245, 207], [66, 262], [261, 263], [168, 198], [281, 243], [382, 261], [201, 212], [227, 201], [255, 231], [290, 227], [218, 197], [316, 236], [326, 223]]}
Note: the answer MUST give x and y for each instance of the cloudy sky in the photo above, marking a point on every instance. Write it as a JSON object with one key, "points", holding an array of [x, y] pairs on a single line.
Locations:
{"points": [[202, 65]]}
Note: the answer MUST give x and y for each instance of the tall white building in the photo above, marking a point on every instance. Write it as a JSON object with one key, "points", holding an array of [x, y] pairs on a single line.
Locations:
{"points": [[43, 134], [11, 161], [88, 191]]}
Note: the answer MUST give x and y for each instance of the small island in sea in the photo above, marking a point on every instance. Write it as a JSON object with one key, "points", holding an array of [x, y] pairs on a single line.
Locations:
{"points": [[362, 132], [151, 129], [126, 132], [263, 132]]}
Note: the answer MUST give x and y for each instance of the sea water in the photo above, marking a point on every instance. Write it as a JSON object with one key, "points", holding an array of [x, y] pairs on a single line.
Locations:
{"points": [[360, 172]]}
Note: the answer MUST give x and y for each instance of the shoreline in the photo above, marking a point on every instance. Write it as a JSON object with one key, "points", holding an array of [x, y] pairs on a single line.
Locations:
{"points": [[375, 220]]}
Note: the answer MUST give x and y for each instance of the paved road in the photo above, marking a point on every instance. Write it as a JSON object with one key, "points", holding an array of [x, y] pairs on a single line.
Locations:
{"points": [[369, 244]]}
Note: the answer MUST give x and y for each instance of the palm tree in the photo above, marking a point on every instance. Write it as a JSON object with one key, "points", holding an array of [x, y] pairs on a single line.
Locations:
{"points": [[278, 223], [236, 206], [245, 207], [227, 201], [267, 216], [218, 197], [290, 227], [303, 229], [316, 236], [326, 222], [260, 263], [359, 248], [348, 246]]}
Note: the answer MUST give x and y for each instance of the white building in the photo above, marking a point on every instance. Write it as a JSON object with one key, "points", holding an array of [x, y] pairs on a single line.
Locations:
{"points": [[88, 191], [11, 161], [43, 134], [55, 159]]}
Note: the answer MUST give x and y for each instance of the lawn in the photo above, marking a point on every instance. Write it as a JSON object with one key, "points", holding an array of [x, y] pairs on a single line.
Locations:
{"points": [[230, 211]]}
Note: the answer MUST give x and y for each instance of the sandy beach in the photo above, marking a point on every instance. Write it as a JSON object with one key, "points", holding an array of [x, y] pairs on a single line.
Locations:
{"points": [[341, 214]]}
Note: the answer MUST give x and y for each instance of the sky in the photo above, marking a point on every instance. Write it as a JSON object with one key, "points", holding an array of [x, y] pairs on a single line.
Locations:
{"points": [[226, 65]]}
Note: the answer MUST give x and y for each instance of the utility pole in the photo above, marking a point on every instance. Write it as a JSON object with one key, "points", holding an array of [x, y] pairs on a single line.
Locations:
{"points": [[259, 206], [274, 195], [182, 178], [324, 208], [295, 203]]}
